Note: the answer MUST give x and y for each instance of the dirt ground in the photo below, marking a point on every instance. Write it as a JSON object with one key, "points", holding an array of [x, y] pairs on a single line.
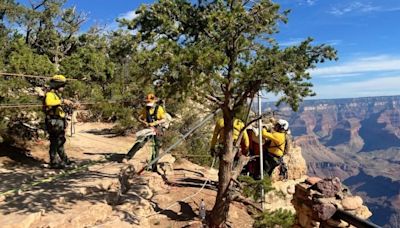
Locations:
{"points": [[102, 192]]}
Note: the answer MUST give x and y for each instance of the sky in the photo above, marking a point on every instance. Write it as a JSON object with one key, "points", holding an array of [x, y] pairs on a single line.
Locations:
{"points": [[364, 32]]}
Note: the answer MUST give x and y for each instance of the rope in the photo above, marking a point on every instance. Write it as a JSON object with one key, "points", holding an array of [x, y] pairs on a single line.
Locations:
{"points": [[5, 106], [20, 106], [199, 124], [49, 179], [32, 76], [63, 174]]}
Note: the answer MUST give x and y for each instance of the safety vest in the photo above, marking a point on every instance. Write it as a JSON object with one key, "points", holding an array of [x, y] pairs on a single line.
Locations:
{"points": [[277, 145], [238, 125], [53, 105]]}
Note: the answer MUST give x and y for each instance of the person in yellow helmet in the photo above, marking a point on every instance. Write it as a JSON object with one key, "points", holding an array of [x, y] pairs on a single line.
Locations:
{"points": [[276, 144], [56, 121], [218, 136], [152, 116]]}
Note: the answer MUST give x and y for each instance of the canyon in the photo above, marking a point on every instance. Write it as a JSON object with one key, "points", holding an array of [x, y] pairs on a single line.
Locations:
{"points": [[357, 140]]}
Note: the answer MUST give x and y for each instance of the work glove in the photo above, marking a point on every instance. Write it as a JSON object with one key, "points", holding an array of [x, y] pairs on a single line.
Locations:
{"points": [[153, 124]]}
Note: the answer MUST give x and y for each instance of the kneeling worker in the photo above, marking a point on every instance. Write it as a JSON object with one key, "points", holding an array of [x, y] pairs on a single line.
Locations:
{"points": [[276, 147], [153, 116]]}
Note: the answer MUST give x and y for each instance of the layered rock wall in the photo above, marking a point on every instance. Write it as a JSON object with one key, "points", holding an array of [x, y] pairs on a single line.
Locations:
{"points": [[316, 201]]}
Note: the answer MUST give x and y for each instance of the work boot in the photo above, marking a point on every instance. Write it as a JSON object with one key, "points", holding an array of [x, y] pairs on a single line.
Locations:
{"points": [[70, 162], [56, 166]]}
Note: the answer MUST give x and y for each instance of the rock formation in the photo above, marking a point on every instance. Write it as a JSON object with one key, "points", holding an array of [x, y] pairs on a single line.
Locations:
{"points": [[357, 140], [316, 201]]}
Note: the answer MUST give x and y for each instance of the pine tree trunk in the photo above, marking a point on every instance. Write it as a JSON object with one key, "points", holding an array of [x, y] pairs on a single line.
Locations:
{"points": [[220, 210]]}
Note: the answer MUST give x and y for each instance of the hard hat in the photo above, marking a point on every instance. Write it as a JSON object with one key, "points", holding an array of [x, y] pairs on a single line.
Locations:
{"points": [[57, 81], [283, 124], [58, 78]]}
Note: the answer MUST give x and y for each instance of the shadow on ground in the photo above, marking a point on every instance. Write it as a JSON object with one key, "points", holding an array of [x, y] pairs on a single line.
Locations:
{"points": [[114, 157], [18, 155], [107, 132], [186, 212]]}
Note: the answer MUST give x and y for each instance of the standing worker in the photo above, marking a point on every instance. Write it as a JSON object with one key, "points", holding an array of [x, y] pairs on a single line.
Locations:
{"points": [[56, 121], [277, 145], [218, 135], [152, 116]]}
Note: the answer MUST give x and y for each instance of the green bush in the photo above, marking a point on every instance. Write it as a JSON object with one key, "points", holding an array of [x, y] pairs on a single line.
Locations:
{"points": [[251, 187], [281, 217], [196, 146]]}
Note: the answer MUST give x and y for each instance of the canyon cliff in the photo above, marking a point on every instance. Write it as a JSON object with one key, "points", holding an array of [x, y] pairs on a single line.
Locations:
{"points": [[357, 140]]}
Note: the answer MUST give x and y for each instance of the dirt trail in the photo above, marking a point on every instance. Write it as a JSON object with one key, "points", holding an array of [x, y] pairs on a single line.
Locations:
{"points": [[104, 194]]}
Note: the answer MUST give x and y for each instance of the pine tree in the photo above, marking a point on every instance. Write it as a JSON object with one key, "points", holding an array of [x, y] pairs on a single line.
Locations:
{"points": [[224, 51]]}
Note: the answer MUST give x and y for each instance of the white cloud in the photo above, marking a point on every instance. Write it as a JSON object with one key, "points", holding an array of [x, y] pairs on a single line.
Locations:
{"points": [[381, 63], [358, 6], [130, 15], [337, 76], [353, 6], [334, 42], [297, 41], [307, 2], [291, 42], [310, 2], [383, 86]]}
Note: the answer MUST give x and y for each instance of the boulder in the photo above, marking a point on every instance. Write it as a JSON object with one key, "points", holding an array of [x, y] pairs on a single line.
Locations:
{"points": [[363, 212], [313, 180], [296, 165], [328, 187], [324, 211], [352, 202], [337, 223]]}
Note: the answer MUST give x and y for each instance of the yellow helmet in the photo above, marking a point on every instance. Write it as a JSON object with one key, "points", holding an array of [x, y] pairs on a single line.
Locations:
{"points": [[58, 78]]}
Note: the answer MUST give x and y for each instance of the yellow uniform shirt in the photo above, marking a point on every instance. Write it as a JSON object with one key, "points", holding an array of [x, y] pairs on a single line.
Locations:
{"points": [[238, 125], [53, 105], [277, 145], [160, 113]]}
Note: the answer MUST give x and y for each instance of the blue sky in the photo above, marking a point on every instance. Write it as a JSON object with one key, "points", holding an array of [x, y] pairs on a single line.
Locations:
{"points": [[365, 33]]}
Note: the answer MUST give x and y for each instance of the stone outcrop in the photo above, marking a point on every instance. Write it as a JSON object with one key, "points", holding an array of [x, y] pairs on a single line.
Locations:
{"points": [[352, 138], [317, 201], [296, 165], [284, 189]]}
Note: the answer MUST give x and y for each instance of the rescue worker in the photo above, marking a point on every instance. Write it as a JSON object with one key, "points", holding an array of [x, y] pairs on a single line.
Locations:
{"points": [[276, 145], [152, 116], [218, 136], [55, 121], [253, 166]]}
